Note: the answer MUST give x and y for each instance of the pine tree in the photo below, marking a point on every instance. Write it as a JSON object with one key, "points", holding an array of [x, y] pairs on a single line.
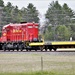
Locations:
{"points": [[1, 3], [31, 14]]}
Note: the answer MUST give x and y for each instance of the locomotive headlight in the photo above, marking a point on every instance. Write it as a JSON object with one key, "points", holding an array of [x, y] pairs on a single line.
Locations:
{"points": [[4, 34]]}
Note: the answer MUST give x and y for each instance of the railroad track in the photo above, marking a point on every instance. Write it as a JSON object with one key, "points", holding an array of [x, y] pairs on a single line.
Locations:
{"points": [[39, 51], [50, 53]]}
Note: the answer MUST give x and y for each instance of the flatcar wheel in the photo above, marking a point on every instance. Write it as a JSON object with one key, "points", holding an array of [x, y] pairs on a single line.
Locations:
{"points": [[17, 49], [45, 49], [50, 49], [41, 48], [21, 50], [55, 49]]}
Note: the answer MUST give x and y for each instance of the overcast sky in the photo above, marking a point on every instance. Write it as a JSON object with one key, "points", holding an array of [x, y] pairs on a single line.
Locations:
{"points": [[41, 5]]}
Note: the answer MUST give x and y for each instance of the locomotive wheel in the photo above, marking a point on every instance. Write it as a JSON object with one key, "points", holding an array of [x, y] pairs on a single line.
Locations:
{"points": [[50, 49], [35, 49], [17, 50], [27, 50], [8, 49], [20, 47], [4, 47]]}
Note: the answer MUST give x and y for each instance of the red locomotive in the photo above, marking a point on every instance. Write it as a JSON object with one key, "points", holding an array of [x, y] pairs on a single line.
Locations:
{"points": [[18, 36]]}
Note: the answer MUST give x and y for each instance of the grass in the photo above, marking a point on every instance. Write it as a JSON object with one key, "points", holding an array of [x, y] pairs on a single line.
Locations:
{"points": [[30, 64], [36, 73], [30, 73]]}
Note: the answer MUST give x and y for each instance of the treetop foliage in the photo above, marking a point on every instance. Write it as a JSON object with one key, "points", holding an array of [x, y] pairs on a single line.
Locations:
{"points": [[61, 22], [12, 14], [1, 3]]}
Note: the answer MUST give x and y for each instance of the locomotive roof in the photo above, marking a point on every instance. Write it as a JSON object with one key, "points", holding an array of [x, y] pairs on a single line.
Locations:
{"points": [[18, 24]]}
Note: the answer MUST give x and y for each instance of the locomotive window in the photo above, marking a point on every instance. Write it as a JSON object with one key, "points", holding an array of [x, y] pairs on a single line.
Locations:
{"points": [[7, 29], [4, 30], [29, 26]]}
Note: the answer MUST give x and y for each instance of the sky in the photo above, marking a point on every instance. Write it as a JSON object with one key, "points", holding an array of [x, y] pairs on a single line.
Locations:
{"points": [[41, 5]]}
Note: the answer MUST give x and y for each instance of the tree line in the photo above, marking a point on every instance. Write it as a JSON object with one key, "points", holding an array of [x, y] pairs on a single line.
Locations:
{"points": [[12, 14], [59, 20]]}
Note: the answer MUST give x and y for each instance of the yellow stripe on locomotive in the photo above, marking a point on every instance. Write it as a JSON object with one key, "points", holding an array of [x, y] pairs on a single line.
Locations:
{"points": [[36, 43]]}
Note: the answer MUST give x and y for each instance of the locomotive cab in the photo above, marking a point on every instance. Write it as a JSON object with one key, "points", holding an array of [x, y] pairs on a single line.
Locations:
{"points": [[6, 33]]}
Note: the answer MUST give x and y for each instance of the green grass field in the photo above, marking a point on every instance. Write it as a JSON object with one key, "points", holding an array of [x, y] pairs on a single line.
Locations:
{"points": [[30, 64], [35, 73]]}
